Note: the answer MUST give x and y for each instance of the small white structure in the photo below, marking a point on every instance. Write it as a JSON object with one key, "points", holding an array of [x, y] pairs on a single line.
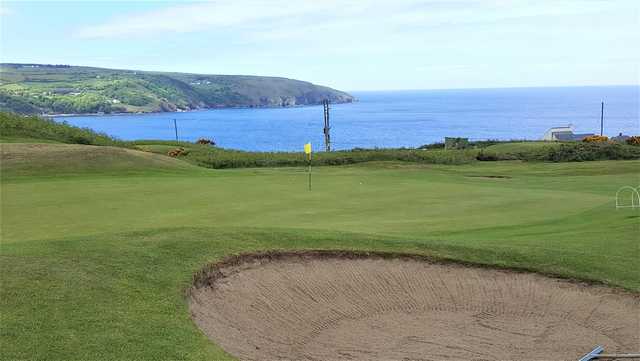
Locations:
{"points": [[564, 134], [628, 197], [557, 133]]}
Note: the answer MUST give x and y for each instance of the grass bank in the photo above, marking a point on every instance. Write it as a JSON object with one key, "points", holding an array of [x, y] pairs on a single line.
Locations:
{"points": [[15, 129]]}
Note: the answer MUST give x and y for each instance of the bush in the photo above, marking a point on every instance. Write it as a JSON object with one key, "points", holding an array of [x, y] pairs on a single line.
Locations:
{"points": [[580, 152], [177, 152], [596, 139], [205, 141], [432, 146], [635, 140], [211, 157]]}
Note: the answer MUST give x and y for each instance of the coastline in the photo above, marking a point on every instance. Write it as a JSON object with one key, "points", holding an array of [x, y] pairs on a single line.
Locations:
{"points": [[71, 115]]}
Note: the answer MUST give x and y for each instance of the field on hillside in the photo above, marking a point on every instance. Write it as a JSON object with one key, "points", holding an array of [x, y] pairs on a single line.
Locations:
{"points": [[55, 89], [99, 244]]}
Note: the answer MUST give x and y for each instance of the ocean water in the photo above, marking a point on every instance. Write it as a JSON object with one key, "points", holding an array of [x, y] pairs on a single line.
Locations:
{"points": [[392, 118]]}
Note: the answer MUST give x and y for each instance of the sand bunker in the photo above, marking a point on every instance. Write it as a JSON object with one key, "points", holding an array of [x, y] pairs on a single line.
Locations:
{"points": [[332, 307]]}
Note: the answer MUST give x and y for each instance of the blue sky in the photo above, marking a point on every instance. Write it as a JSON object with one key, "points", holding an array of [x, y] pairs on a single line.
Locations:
{"points": [[347, 44]]}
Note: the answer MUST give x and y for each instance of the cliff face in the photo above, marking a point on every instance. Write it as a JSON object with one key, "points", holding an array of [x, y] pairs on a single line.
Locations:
{"points": [[36, 88]]}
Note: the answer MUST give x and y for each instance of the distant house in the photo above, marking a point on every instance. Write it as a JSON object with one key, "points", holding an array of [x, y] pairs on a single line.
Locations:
{"points": [[564, 134], [620, 138]]}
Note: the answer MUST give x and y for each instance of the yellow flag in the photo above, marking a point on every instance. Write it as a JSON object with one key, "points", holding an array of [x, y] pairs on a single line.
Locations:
{"points": [[307, 148]]}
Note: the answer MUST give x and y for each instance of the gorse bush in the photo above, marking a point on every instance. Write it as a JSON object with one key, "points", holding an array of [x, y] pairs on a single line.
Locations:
{"points": [[580, 152], [13, 125], [205, 141], [635, 140], [596, 139], [178, 152]]}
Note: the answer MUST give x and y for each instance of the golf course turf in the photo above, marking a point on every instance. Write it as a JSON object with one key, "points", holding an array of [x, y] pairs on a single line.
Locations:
{"points": [[97, 258]]}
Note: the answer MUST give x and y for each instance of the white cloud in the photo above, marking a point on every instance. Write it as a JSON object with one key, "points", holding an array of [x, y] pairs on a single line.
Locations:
{"points": [[4, 10], [199, 16], [277, 19]]}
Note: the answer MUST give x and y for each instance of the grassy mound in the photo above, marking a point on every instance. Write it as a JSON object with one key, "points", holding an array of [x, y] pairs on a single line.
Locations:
{"points": [[32, 129], [72, 159]]}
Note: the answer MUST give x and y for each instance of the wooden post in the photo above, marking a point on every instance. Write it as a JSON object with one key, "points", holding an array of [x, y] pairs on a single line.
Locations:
{"points": [[601, 118], [309, 171], [327, 128], [175, 127]]}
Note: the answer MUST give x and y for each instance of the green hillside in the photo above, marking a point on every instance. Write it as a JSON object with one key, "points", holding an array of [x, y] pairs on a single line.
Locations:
{"points": [[62, 89]]}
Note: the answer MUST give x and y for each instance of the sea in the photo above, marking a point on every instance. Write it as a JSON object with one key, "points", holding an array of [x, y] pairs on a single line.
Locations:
{"points": [[391, 119]]}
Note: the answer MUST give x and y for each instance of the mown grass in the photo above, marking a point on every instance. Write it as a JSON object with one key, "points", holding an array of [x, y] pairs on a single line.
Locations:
{"points": [[98, 244], [94, 265]]}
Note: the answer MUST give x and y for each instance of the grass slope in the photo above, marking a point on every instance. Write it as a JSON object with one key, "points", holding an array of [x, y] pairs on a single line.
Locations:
{"points": [[94, 264], [39, 88], [55, 160]]}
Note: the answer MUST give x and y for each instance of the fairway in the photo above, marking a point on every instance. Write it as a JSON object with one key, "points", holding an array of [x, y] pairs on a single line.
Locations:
{"points": [[96, 259]]}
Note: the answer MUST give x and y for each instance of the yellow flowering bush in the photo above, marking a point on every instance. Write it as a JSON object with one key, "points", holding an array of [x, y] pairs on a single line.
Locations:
{"points": [[596, 139], [635, 140]]}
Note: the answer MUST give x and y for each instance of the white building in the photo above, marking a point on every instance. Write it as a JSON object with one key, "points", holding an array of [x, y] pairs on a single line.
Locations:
{"points": [[558, 132], [563, 134]]}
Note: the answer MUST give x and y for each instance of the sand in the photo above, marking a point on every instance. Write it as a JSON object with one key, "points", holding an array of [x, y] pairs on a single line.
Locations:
{"points": [[370, 308]]}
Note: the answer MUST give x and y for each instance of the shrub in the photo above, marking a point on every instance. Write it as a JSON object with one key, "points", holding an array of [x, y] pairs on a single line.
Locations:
{"points": [[580, 152], [432, 146], [177, 152], [596, 139], [635, 140], [205, 141]]}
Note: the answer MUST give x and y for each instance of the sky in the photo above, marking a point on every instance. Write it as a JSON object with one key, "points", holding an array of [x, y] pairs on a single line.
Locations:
{"points": [[347, 44]]}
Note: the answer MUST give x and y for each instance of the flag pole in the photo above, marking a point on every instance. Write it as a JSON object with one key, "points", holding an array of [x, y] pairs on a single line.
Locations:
{"points": [[309, 158], [307, 151]]}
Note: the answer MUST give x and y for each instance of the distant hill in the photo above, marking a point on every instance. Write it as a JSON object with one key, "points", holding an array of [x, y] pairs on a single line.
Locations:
{"points": [[63, 89]]}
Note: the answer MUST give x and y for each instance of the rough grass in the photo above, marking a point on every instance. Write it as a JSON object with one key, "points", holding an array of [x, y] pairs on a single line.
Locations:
{"points": [[32, 128], [15, 128], [559, 152], [55, 160], [211, 157]]}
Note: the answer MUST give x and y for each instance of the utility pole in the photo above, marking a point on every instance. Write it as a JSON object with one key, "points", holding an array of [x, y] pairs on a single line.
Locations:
{"points": [[175, 127], [327, 128], [601, 118]]}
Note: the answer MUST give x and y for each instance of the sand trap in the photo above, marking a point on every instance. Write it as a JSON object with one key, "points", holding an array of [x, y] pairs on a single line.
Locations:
{"points": [[337, 307]]}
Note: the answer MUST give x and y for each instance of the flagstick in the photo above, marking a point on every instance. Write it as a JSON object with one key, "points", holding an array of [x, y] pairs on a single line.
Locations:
{"points": [[309, 171]]}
